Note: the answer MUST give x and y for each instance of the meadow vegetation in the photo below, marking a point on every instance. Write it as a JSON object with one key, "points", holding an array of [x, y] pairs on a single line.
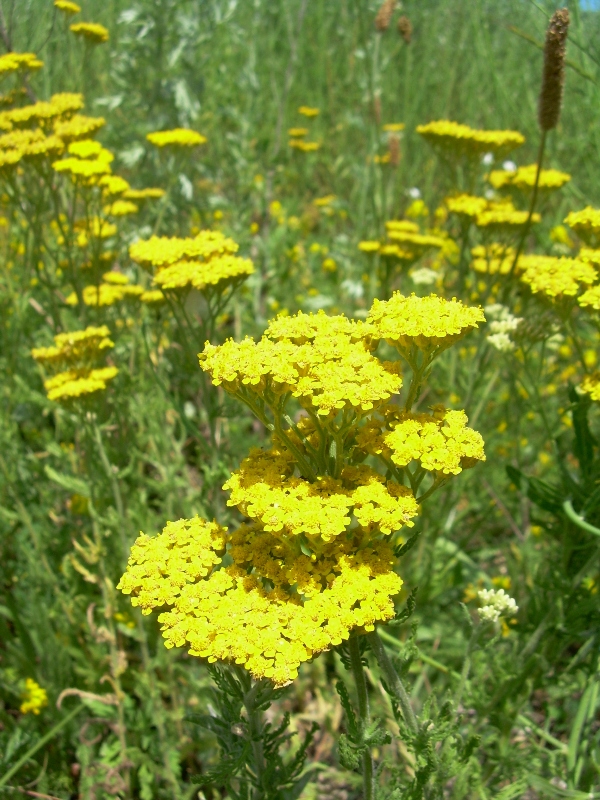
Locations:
{"points": [[308, 293]]}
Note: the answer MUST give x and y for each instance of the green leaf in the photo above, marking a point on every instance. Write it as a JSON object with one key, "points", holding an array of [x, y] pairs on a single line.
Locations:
{"points": [[347, 706], [404, 548], [348, 754], [68, 482]]}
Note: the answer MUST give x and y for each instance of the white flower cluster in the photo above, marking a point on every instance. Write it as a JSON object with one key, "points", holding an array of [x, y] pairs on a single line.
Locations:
{"points": [[496, 604], [502, 323], [424, 276]]}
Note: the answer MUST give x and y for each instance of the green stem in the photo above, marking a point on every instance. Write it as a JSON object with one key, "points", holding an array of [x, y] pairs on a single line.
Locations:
{"points": [[39, 744], [527, 225], [363, 713], [392, 679], [577, 520]]}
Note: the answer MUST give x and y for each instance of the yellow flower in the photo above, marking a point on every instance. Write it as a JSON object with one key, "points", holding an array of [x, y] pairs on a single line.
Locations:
{"points": [[394, 127], [429, 323], [585, 222], [67, 6], [75, 346], [524, 178], [115, 289], [591, 385], [113, 185], [78, 127], [466, 140], [218, 271], [555, 277], [329, 265], [73, 384], [560, 235], [466, 205], [321, 202], [417, 209], [307, 111], [93, 32], [369, 246], [493, 258], [297, 133], [305, 147], [143, 194], [34, 698], [161, 251], [152, 296], [13, 62], [121, 208], [590, 298], [178, 137], [503, 215]]}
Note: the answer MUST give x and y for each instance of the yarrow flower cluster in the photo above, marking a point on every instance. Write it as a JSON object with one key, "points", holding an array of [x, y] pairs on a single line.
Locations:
{"points": [[15, 62], [114, 289], [315, 559], [92, 32], [496, 603], [34, 698], [207, 262], [555, 277], [467, 141], [178, 137], [524, 178], [74, 358], [493, 258]]}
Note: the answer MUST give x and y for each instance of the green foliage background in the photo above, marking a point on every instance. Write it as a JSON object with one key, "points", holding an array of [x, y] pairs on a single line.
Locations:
{"points": [[524, 714]]}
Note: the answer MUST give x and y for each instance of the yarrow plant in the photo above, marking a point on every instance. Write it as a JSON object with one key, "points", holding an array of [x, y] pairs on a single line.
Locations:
{"points": [[313, 565]]}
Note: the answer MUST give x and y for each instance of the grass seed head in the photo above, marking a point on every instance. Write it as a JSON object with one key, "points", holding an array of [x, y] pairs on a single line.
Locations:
{"points": [[384, 15], [405, 28], [553, 78]]}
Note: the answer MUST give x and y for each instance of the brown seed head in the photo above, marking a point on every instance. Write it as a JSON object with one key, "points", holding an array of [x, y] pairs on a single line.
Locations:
{"points": [[394, 149], [384, 15], [405, 28], [553, 78], [377, 109]]}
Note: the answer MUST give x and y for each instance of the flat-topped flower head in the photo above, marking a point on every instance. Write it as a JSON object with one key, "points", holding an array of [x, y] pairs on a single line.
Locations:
{"points": [[114, 289], [590, 298], [466, 205], [301, 327], [308, 111], [67, 6], [42, 112], [524, 178], [19, 62], [34, 698], [591, 385], [466, 140], [586, 223], [75, 346], [139, 195], [369, 246], [219, 271], [74, 384], [178, 137], [92, 32], [121, 208], [297, 133], [555, 277], [304, 146], [418, 241], [248, 613], [162, 251], [403, 225], [429, 323], [492, 259], [503, 216], [78, 127]]}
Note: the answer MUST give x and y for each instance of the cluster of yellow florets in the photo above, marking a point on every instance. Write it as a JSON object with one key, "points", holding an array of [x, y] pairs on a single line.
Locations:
{"points": [[178, 137], [92, 32], [503, 216], [74, 360], [586, 223], [493, 258], [315, 560], [114, 289], [14, 62], [34, 698], [461, 138], [407, 243], [466, 205], [555, 277], [427, 323], [206, 262], [524, 178], [591, 385], [67, 6]]}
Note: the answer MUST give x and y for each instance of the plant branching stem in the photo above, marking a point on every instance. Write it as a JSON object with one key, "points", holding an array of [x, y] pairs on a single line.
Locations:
{"points": [[393, 681], [364, 714]]}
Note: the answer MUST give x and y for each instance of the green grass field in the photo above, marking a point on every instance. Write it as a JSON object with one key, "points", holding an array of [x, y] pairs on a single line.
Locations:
{"points": [[449, 699]]}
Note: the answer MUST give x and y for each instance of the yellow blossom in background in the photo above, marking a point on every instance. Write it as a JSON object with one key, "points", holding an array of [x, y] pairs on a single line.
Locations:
{"points": [[329, 265], [75, 346], [116, 288], [92, 32], [586, 223], [178, 137], [417, 209], [590, 298], [161, 251], [138, 195], [113, 185], [78, 127], [465, 140], [14, 62], [219, 270], [402, 225], [466, 205], [73, 384], [560, 235], [67, 6], [493, 258], [322, 202], [591, 385], [555, 277], [426, 322], [524, 178], [153, 296], [503, 215], [308, 111], [304, 146], [369, 246], [394, 127], [297, 133], [121, 208], [34, 698]]}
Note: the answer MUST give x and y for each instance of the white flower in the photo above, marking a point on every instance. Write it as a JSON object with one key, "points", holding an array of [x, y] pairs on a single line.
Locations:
{"points": [[496, 604], [502, 342], [509, 166], [414, 193], [488, 158], [424, 276]]}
